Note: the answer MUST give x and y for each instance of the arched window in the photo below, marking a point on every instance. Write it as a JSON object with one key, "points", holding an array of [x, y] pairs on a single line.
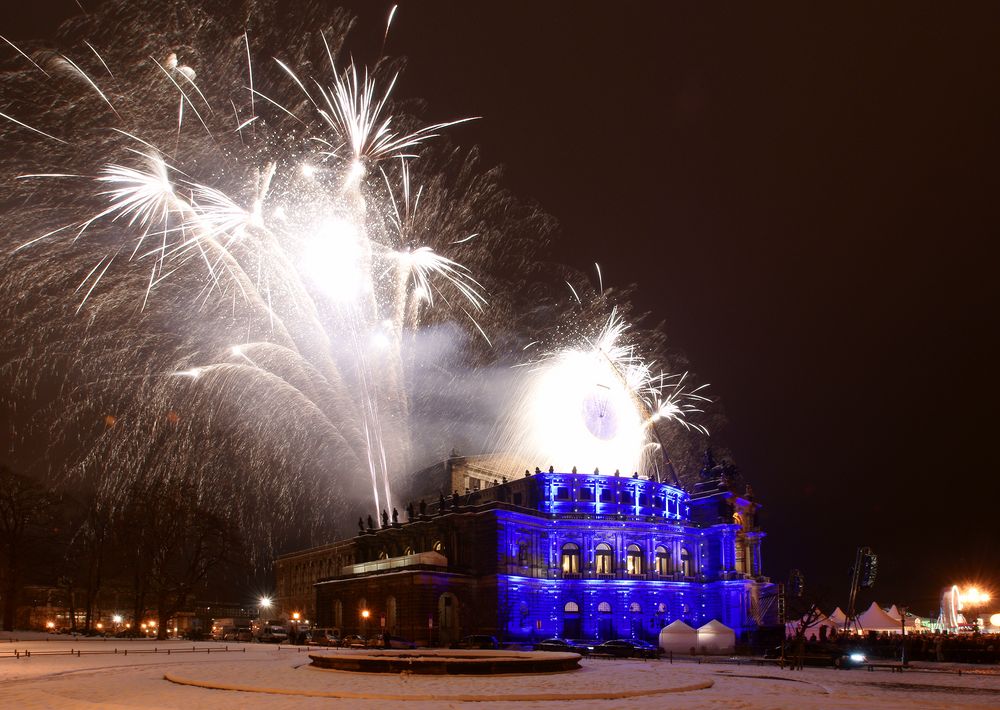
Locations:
{"points": [[570, 558], [661, 608], [408, 550], [604, 559], [522, 553], [662, 560], [437, 546], [633, 559], [383, 555], [687, 563], [571, 608], [603, 608], [634, 608]]}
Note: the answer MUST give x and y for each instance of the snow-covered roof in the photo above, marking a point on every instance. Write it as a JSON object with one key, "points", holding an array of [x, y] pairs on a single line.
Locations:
{"points": [[715, 627], [875, 619], [677, 627]]}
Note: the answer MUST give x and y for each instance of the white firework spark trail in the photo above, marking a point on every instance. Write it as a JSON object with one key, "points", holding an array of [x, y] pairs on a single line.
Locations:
{"points": [[315, 249]]}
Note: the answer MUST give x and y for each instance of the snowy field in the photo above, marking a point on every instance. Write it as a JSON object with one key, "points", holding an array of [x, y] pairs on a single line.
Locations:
{"points": [[282, 678]]}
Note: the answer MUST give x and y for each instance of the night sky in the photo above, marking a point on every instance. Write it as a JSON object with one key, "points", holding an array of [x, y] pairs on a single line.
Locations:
{"points": [[806, 196]]}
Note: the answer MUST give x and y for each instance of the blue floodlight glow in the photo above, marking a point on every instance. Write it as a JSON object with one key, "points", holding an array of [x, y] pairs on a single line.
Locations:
{"points": [[619, 512]]}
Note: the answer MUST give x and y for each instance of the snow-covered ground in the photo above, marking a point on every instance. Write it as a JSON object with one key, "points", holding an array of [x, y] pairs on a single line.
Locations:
{"points": [[283, 678]]}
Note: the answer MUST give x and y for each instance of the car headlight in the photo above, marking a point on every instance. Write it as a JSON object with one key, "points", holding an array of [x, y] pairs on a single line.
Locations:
{"points": [[858, 657]]}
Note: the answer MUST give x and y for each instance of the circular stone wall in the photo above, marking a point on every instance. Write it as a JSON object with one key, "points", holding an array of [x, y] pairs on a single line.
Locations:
{"points": [[448, 662]]}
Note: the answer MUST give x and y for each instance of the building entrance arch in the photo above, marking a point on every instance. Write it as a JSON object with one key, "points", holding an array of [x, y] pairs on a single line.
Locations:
{"points": [[605, 623], [448, 625], [572, 625]]}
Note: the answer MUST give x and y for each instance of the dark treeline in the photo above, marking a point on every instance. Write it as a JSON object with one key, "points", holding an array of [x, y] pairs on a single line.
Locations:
{"points": [[161, 544]]}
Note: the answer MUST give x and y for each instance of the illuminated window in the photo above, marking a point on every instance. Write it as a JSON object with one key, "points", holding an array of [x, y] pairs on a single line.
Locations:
{"points": [[383, 555], [571, 608], [604, 559], [662, 560], [408, 550], [661, 608], [634, 608], [633, 559], [570, 560], [437, 546], [603, 608], [687, 564]]}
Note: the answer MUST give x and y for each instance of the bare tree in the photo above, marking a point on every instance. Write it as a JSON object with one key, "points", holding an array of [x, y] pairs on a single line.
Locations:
{"points": [[26, 514], [172, 541]]}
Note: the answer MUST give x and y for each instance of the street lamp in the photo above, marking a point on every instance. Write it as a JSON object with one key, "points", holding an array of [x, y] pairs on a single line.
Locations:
{"points": [[364, 624], [264, 603]]}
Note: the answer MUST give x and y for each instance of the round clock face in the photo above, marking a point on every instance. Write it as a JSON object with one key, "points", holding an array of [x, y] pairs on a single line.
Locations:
{"points": [[599, 413]]}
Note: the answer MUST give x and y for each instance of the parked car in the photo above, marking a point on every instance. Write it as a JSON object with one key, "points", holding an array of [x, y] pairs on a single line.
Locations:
{"points": [[324, 637], [272, 633], [561, 645], [353, 641], [830, 655], [477, 641], [397, 642], [627, 648]]}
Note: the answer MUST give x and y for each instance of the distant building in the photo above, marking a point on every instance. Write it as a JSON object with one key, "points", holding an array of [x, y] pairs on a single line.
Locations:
{"points": [[576, 555]]}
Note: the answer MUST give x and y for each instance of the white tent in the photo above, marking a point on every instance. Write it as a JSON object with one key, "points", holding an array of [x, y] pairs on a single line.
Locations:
{"points": [[874, 619], [894, 613], [716, 637], [838, 617], [678, 636]]}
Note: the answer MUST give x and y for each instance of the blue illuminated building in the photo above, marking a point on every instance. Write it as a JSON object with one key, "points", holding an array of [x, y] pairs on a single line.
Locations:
{"points": [[586, 556]]}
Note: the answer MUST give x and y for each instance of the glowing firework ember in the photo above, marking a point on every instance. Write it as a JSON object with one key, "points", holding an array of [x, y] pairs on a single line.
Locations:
{"points": [[278, 281]]}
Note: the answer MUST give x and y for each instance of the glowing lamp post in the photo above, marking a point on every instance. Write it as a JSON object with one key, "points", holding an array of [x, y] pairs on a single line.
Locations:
{"points": [[264, 603], [364, 624]]}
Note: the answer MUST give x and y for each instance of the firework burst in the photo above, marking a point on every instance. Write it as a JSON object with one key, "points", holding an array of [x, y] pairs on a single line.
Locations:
{"points": [[261, 248], [599, 403]]}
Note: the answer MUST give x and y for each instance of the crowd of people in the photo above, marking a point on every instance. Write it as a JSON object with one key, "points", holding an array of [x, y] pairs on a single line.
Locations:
{"points": [[944, 647]]}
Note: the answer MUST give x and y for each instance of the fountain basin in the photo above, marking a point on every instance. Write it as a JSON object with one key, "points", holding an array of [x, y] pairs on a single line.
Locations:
{"points": [[447, 662]]}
